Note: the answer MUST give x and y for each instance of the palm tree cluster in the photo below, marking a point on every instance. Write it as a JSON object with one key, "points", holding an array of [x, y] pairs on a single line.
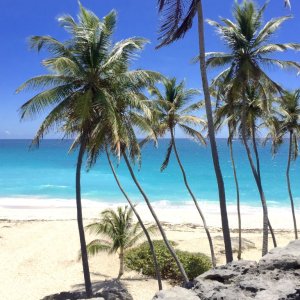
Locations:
{"points": [[244, 90], [92, 95]]}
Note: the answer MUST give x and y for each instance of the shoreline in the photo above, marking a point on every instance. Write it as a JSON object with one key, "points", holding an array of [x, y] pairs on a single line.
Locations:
{"points": [[62, 209]]}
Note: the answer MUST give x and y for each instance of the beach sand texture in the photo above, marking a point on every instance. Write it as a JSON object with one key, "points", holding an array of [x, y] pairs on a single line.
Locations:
{"points": [[39, 257]]}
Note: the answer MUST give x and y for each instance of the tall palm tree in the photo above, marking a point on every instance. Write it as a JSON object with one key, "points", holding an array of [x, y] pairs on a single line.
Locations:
{"points": [[129, 110], [120, 231], [119, 134], [84, 71], [250, 50], [227, 113], [178, 18], [257, 109], [289, 124], [172, 110]]}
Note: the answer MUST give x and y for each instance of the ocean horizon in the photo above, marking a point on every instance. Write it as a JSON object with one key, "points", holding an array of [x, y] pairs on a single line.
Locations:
{"points": [[49, 173]]}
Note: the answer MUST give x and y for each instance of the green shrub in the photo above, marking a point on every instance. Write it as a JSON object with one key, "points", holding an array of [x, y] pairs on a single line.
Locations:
{"points": [[140, 259]]}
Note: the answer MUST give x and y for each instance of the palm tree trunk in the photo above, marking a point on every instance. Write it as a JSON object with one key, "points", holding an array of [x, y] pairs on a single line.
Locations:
{"points": [[259, 175], [84, 257], [163, 234], [258, 182], [121, 257], [156, 266], [212, 252], [289, 185], [239, 256], [211, 134]]}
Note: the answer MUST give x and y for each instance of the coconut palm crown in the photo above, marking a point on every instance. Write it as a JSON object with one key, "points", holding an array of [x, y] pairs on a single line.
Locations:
{"points": [[248, 40], [173, 109], [84, 72], [119, 231]]}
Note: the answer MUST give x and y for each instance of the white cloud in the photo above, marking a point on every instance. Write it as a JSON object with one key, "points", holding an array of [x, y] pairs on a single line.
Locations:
{"points": [[7, 132]]}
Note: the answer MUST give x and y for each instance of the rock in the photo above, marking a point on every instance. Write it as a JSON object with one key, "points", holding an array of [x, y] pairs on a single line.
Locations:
{"points": [[112, 294], [94, 298], [225, 273], [176, 293], [275, 277], [116, 294], [282, 258]]}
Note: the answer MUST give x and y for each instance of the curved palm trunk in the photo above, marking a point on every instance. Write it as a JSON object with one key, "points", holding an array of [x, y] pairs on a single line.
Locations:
{"points": [[121, 258], [289, 185], [255, 151], [211, 134], [163, 234], [258, 172], [84, 257], [258, 183], [212, 252], [156, 266], [239, 256]]}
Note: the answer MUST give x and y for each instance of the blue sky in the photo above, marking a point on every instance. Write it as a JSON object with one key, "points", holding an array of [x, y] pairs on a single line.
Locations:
{"points": [[20, 19]]}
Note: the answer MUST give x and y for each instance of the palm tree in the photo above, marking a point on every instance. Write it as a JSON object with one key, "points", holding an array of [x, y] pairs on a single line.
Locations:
{"points": [[129, 110], [227, 113], [132, 206], [171, 110], [120, 231], [257, 109], [250, 50], [289, 112], [178, 18], [84, 71]]}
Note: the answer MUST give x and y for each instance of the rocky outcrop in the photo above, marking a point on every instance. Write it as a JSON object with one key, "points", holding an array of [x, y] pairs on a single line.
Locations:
{"points": [[275, 277], [112, 294]]}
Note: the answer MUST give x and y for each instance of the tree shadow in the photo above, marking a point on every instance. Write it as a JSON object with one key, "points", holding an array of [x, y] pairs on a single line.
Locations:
{"points": [[103, 285]]}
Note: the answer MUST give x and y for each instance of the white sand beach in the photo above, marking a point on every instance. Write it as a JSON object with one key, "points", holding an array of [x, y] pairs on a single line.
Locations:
{"points": [[39, 244]]}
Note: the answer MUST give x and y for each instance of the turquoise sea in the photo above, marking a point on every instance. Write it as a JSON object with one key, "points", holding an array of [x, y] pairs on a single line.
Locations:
{"points": [[49, 172]]}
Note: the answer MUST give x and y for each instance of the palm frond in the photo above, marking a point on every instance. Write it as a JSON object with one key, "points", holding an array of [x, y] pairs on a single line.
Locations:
{"points": [[196, 135], [167, 157], [177, 19]]}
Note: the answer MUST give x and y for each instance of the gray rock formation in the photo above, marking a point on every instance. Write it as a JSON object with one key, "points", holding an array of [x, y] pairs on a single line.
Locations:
{"points": [[275, 277], [112, 294], [175, 294]]}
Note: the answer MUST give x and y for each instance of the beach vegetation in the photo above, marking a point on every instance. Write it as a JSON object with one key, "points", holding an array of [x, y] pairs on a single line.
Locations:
{"points": [[140, 260], [132, 206], [119, 231]]}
